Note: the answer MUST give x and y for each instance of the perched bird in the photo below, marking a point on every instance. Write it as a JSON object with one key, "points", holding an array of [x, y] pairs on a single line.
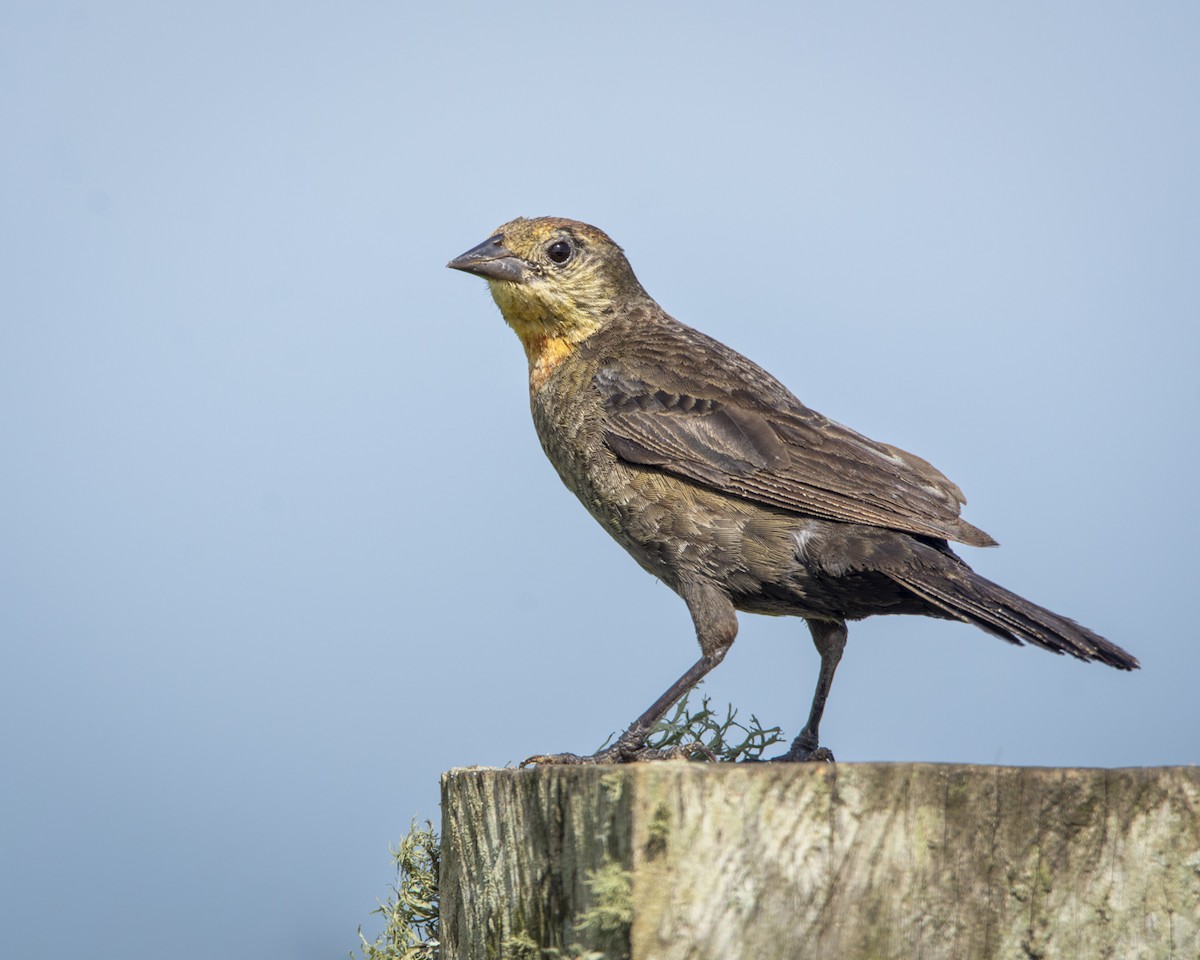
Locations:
{"points": [[722, 484]]}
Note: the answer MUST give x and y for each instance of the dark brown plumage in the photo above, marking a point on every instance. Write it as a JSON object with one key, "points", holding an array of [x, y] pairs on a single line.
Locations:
{"points": [[722, 484]]}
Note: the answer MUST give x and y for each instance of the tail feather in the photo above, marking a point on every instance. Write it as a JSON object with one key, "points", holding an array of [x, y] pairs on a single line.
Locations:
{"points": [[957, 590]]}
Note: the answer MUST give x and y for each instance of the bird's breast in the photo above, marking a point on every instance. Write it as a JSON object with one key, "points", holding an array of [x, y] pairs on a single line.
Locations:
{"points": [[545, 355], [673, 528]]}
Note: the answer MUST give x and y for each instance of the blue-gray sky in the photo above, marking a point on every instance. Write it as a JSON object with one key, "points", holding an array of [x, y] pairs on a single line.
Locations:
{"points": [[277, 541]]}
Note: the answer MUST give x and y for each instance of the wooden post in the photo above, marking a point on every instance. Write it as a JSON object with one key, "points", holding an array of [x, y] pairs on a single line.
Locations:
{"points": [[724, 862]]}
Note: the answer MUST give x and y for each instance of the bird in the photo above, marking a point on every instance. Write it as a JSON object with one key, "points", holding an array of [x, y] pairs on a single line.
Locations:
{"points": [[722, 484]]}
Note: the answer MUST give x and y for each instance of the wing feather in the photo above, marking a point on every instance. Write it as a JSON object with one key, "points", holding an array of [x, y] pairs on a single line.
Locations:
{"points": [[700, 411]]}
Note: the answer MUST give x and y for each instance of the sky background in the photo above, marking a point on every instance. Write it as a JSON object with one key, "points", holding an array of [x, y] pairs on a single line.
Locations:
{"points": [[278, 544]]}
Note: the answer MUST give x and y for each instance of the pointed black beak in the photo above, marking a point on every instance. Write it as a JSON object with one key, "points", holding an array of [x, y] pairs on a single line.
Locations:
{"points": [[491, 260]]}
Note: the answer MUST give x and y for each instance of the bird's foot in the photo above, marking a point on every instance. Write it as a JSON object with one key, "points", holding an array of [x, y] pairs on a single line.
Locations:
{"points": [[627, 749], [804, 749], [561, 760]]}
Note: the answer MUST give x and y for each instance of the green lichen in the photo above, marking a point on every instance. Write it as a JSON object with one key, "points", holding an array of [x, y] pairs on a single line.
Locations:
{"points": [[614, 785], [704, 735], [411, 911], [611, 913], [520, 946]]}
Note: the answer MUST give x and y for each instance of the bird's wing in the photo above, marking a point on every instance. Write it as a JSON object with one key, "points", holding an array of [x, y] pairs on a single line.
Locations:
{"points": [[721, 421]]}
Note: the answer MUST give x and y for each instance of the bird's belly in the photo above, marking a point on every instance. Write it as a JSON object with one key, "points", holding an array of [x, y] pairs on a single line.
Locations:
{"points": [[679, 531]]}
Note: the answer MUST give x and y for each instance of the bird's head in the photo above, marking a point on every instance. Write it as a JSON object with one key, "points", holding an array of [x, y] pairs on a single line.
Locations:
{"points": [[553, 279]]}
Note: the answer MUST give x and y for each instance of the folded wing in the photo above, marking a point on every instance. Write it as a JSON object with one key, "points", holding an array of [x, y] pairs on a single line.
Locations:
{"points": [[723, 422]]}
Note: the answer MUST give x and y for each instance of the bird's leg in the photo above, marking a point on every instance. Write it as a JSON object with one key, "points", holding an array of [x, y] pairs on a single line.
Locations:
{"points": [[631, 745], [830, 640], [716, 626]]}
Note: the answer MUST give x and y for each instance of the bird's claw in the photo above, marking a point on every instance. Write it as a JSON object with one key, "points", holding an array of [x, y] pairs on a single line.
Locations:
{"points": [[623, 751], [820, 755], [558, 759], [805, 749]]}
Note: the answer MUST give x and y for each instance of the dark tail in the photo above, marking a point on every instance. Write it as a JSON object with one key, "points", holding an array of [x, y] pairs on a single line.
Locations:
{"points": [[953, 587]]}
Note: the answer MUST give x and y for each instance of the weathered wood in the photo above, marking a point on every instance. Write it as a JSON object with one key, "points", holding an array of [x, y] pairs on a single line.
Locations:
{"points": [[720, 862]]}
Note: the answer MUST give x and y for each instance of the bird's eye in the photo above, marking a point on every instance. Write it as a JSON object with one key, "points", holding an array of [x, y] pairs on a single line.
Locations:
{"points": [[559, 251]]}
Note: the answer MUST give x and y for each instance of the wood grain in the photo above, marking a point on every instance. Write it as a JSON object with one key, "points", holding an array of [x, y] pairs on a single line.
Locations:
{"points": [[845, 861]]}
